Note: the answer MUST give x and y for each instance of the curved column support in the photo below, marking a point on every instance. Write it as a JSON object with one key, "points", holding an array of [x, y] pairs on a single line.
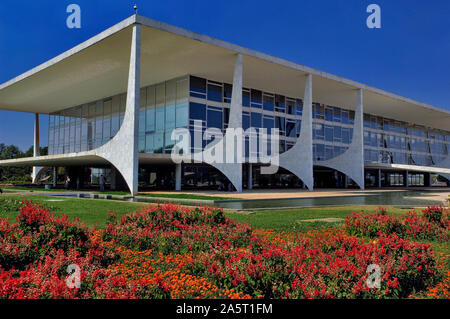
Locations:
{"points": [[122, 150], [39, 171], [299, 159], [351, 162], [233, 171]]}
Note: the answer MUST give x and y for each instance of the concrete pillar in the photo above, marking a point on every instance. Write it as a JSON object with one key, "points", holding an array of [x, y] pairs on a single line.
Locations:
{"points": [[406, 179], [122, 150], [250, 176], [299, 159], [36, 147], [133, 99], [427, 179], [379, 178], [345, 181], [233, 171], [351, 163], [178, 170], [55, 176]]}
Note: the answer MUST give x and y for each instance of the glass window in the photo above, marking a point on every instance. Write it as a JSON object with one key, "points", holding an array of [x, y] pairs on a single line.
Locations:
{"points": [[345, 117], [329, 133], [98, 124], [280, 105], [182, 116], [337, 134], [318, 132], [214, 118], [197, 111], [160, 121], [158, 142], [290, 129], [245, 97], [227, 91], [255, 120], [170, 116], [280, 124], [115, 121], [107, 110], [268, 102], [299, 127], [198, 87], [214, 92], [245, 120], [290, 106], [149, 143], [84, 127], [329, 114], [268, 123], [318, 111], [256, 98], [336, 114], [299, 103], [151, 109]]}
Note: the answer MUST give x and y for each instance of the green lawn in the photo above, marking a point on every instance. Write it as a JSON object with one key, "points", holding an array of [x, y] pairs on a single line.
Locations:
{"points": [[94, 211], [90, 211]]}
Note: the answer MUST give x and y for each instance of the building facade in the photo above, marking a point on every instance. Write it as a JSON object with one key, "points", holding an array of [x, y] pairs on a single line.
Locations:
{"points": [[332, 132]]}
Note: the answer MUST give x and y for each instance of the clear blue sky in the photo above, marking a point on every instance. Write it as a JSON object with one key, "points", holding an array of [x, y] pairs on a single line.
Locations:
{"points": [[408, 56]]}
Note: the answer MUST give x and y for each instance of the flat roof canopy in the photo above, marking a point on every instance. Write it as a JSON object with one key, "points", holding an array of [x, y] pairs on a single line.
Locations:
{"points": [[98, 68], [87, 158]]}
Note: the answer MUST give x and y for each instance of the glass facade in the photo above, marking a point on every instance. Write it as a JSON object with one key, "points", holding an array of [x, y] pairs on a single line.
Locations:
{"points": [[332, 126], [179, 102], [163, 107], [394, 142]]}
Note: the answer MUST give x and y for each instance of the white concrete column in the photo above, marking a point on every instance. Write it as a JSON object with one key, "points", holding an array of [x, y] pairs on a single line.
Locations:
{"points": [[299, 159], [122, 151], [233, 171], [178, 170], [351, 162], [250, 176], [36, 147], [358, 136]]}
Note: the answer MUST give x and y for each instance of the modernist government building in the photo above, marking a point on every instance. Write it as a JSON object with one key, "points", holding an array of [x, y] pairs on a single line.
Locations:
{"points": [[114, 100]]}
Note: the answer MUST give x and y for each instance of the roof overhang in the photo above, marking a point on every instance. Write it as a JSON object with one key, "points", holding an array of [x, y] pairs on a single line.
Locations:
{"points": [[98, 68], [411, 168], [87, 158]]}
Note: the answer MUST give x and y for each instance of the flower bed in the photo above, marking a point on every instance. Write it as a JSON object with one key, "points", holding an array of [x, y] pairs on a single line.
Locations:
{"points": [[168, 251], [432, 224]]}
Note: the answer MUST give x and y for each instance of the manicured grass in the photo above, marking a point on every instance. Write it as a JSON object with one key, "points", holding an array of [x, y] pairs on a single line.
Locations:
{"points": [[33, 189], [188, 196], [90, 211], [94, 211], [61, 190], [290, 219]]}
